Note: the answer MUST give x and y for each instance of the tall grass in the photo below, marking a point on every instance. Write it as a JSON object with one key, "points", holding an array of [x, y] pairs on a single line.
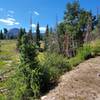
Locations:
{"points": [[88, 50]]}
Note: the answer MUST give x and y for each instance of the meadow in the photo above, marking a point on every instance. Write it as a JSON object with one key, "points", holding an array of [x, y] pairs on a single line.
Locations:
{"points": [[53, 64], [9, 60]]}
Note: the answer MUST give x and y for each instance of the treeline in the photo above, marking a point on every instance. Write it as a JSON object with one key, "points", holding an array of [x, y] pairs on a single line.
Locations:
{"points": [[78, 26], [3, 34], [33, 77]]}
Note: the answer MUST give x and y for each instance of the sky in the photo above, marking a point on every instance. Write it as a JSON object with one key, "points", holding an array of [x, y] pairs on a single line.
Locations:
{"points": [[16, 13]]}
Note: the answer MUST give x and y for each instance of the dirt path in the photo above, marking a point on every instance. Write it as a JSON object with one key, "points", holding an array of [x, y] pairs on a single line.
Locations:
{"points": [[82, 83]]}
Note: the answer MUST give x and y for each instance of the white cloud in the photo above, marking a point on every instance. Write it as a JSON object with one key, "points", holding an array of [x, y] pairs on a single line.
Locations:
{"points": [[43, 29], [9, 21], [17, 23], [34, 25], [36, 13]]}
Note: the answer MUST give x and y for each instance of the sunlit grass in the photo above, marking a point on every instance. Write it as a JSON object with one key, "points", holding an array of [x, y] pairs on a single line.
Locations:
{"points": [[9, 59]]}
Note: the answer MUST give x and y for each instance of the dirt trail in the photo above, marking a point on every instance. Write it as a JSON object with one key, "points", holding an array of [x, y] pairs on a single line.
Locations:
{"points": [[82, 83]]}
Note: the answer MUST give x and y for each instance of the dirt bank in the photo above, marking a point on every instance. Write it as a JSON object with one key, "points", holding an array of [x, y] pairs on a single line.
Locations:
{"points": [[82, 83]]}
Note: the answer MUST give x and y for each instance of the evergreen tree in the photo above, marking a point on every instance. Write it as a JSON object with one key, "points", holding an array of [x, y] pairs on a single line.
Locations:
{"points": [[1, 35], [38, 36], [0, 46], [98, 23], [25, 84], [97, 29], [30, 34], [47, 37], [5, 33], [19, 38], [28, 65], [75, 22], [51, 30], [47, 31]]}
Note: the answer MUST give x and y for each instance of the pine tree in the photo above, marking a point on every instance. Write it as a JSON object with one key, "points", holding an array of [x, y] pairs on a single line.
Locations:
{"points": [[30, 34], [28, 66], [19, 38], [75, 20], [1, 35], [47, 37], [5, 33], [47, 31], [25, 84], [0, 46], [38, 36]]}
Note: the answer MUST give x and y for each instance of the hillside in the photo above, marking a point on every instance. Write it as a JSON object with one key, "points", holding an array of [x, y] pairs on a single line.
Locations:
{"points": [[82, 83]]}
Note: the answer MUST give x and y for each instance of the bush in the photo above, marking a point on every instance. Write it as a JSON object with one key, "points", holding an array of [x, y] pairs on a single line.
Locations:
{"points": [[83, 53], [58, 62], [95, 47], [35, 78], [74, 61], [53, 66], [87, 51]]}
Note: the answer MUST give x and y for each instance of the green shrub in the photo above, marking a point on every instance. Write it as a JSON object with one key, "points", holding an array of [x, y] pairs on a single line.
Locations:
{"points": [[74, 61], [96, 47], [83, 53], [58, 61], [35, 78], [54, 65], [87, 51]]}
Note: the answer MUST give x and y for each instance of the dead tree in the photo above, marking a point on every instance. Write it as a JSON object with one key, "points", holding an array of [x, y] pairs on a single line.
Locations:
{"points": [[66, 44], [89, 29], [69, 46]]}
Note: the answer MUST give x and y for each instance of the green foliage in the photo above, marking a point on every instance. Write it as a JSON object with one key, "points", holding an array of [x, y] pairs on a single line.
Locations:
{"points": [[5, 33], [38, 36], [83, 53], [75, 25], [2, 97], [53, 66], [33, 78], [47, 36], [19, 38], [0, 46], [61, 30], [95, 47], [25, 84], [29, 64], [87, 51], [47, 31], [1, 35], [16, 86]]}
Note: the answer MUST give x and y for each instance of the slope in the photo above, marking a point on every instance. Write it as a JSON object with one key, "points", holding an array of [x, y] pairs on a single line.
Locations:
{"points": [[82, 83]]}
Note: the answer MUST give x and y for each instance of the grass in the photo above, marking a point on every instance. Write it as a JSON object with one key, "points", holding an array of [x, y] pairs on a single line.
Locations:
{"points": [[8, 60], [54, 64], [87, 51]]}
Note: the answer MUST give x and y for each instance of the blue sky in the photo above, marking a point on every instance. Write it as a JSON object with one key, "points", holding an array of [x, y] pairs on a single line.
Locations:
{"points": [[16, 13]]}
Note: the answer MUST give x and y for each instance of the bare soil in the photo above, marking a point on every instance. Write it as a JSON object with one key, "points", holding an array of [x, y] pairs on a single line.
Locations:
{"points": [[82, 83]]}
